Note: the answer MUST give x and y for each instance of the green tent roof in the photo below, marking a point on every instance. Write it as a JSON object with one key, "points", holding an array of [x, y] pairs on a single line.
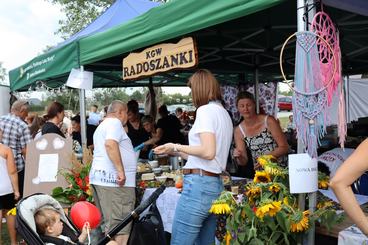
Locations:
{"points": [[167, 21], [161, 23], [233, 37]]}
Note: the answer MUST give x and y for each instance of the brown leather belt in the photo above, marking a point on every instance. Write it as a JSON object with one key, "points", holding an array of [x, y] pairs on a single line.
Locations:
{"points": [[199, 171]]}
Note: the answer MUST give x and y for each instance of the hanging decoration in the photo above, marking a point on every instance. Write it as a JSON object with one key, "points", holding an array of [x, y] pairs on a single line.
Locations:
{"points": [[40, 86], [310, 94], [323, 26]]}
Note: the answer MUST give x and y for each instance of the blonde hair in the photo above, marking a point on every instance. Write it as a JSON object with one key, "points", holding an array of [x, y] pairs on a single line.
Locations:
{"points": [[205, 87], [44, 218]]}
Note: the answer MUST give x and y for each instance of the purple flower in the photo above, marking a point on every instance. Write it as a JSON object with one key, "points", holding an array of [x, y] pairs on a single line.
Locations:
{"points": [[239, 199]]}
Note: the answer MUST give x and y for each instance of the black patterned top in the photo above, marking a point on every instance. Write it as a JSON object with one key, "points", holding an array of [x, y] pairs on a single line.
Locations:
{"points": [[261, 144]]}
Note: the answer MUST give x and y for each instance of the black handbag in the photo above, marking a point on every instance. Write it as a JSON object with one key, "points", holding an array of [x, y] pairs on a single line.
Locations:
{"points": [[149, 229]]}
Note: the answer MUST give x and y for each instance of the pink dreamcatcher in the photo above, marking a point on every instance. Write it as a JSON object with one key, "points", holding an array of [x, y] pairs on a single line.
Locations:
{"points": [[323, 26]]}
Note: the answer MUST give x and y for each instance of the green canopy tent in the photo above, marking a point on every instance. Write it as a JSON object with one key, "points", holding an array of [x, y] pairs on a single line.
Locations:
{"points": [[162, 23]]}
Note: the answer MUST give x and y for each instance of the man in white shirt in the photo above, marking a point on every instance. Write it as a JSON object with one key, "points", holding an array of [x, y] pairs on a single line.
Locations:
{"points": [[113, 170]]}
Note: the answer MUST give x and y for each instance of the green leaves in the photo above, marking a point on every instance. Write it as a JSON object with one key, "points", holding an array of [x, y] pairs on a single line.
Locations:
{"points": [[283, 222]]}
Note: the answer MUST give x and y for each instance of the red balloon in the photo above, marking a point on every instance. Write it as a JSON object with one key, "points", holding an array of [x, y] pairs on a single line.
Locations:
{"points": [[83, 212]]}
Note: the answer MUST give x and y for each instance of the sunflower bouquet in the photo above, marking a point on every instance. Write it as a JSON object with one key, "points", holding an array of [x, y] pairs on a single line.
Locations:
{"points": [[266, 213]]}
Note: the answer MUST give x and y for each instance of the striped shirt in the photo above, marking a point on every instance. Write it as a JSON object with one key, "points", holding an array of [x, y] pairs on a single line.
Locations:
{"points": [[16, 135]]}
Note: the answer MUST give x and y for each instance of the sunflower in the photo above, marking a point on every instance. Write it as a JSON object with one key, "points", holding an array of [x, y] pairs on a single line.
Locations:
{"points": [[274, 170], [270, 208], [261, 177], [325, 204], [252, 192], [299, 221], [220, 208], [264, 160], [323, 184], [274, 188]]}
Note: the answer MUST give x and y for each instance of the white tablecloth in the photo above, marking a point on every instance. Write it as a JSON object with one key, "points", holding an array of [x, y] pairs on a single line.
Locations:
{"points": [[352, 236], [166, 204]]}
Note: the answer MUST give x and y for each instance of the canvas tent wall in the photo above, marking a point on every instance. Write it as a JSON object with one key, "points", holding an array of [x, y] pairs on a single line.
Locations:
{"points": [[4, 99], [356, 99]]}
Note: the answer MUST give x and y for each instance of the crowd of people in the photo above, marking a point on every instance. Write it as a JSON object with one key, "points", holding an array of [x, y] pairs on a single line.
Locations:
{"points": [[121, 131]]}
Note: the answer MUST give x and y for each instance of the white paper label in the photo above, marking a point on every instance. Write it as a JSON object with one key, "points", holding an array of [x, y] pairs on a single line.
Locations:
{"points": [[303, 173], [48, 167], [81, 80]]}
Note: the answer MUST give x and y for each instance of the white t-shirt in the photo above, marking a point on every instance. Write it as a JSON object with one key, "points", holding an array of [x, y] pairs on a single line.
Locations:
{"points": [[334, 158], [211, 118], [5, 183], [94, 118], [103, 171]]}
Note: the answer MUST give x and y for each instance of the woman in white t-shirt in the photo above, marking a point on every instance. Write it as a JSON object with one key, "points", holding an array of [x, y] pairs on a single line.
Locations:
{"points": [[207, 152], [9, 190]]}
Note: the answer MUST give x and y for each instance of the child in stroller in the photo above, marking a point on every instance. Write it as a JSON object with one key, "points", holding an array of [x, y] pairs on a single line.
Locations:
{"points": [[49, 225], [29, 222], [28, 206]]}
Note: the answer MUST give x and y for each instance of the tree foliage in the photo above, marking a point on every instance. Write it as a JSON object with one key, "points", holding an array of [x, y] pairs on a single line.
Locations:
{"points": [[170, 99], [68, 97], [80, 13], [105, 96]]}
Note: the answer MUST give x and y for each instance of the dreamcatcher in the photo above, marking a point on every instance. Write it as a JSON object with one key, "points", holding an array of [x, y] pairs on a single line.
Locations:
{"points": [[323, 26], [310, 95]]}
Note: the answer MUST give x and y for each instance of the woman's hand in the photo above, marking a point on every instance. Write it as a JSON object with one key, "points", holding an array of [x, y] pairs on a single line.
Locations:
{"points": [[16, 195], [167, 148], [237, 153]]}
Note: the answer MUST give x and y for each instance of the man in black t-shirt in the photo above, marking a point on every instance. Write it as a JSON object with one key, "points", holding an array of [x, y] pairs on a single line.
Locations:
{"points": [[168, 128]]}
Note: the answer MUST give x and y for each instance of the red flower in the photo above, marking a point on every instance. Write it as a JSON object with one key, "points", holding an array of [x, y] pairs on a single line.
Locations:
{"points": [[142, 184], [79, 182], [254, 209], [82, 198]]}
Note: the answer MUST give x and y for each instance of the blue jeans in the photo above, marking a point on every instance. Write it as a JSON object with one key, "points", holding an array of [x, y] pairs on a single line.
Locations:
{"points": [[193, 224]]}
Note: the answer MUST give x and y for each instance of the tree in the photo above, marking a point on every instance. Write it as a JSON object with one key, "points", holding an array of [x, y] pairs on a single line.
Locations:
{"points": [[67, 97], [105, 96], [138, 96], [80, 13], [2, 73]]}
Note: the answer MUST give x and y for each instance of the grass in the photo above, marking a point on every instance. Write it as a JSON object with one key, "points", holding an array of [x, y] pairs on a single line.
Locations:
{"points": [[4, 234]]}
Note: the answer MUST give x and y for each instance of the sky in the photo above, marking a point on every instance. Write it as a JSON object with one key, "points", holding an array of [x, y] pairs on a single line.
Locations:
{"points": [[27, 27]]}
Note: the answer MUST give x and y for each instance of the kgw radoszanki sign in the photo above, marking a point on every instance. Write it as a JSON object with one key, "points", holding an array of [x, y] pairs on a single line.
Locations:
{"points": [[160, 58]]}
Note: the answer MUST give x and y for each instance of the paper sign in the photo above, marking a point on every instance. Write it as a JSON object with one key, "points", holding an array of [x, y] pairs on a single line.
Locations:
{"points": [[47, 168], [79, 79], [303, 173]]}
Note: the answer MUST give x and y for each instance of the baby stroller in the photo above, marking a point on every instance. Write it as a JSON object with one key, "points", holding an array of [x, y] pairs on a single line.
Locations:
{"points": [[28, 206]]}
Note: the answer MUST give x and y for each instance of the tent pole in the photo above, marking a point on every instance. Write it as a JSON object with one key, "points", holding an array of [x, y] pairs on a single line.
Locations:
{"points": [[347, 91], [256, 85], [82, 107], [312, 197], [302, 6]]}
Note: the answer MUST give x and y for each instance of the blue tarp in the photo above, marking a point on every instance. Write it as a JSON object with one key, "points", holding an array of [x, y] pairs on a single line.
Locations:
{"points": [[119, 12]]}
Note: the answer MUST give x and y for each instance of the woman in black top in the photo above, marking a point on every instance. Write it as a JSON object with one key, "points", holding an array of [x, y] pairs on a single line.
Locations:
{"points": [[55, 116]]}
